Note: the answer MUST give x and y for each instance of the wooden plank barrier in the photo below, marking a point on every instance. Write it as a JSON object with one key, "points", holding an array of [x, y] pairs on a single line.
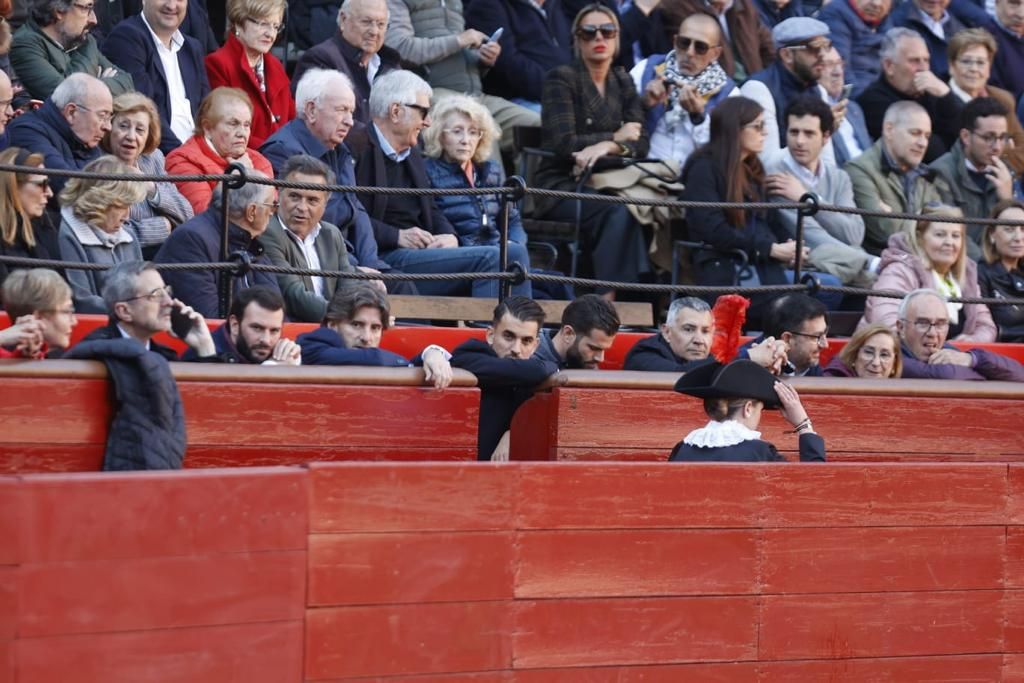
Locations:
{"points": [[596, 415], [56, 415], [518, 573]]}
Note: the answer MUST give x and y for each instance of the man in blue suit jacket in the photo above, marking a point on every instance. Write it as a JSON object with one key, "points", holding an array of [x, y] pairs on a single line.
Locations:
{"points": [[132, 45]]}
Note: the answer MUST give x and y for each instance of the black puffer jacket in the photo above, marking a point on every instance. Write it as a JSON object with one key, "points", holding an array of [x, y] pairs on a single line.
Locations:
{"points": [[148, 429]]}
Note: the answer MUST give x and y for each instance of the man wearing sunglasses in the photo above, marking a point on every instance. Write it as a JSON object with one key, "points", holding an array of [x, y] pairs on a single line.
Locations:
{"points": [[680, 89], [802, 44]]}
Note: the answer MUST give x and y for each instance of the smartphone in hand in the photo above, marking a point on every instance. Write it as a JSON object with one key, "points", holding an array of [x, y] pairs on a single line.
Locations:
{"points": [[181, 324], [847, 91], [496, 36]]}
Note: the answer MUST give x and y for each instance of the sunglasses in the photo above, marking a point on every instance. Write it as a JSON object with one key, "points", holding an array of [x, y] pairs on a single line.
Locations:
{"points": [[699, 46], [41, 184], [588, 32]]}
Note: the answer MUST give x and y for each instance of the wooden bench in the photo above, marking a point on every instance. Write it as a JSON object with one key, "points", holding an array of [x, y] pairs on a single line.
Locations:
{"points": [[56, 415], [595, 415]]}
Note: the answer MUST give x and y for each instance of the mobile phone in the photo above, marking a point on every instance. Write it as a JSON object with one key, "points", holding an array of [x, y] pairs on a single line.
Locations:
{"points": [[496, 35], [181, 324], [847, 91]]}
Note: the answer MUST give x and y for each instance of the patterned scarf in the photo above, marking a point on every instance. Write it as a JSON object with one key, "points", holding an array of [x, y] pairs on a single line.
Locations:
{"points": [[707, 82]]}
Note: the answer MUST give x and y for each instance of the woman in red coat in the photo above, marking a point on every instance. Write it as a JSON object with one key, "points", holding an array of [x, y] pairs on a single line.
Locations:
{"points": [[245, 63]]}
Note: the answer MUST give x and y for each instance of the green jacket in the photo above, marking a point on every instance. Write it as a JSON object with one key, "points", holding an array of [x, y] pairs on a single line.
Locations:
{"points": [[41, 64], [301, 302], [875, 181]]}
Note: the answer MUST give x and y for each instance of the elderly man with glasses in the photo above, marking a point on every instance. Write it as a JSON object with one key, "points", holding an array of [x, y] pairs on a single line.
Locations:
{"points": [[923, 325], [801, 43]]}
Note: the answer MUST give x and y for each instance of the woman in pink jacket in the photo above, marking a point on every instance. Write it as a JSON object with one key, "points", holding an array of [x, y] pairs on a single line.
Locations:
{"points": [[932, 256]]}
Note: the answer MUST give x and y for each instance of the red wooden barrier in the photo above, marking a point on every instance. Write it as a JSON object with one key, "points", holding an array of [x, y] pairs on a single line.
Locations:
{"points": [[536, 573]]}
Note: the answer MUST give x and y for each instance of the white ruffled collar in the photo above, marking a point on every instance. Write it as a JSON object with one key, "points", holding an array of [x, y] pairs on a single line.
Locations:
{"points": [[718, 434]]}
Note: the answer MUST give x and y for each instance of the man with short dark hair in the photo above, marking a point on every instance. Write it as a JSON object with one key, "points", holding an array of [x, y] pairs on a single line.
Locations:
{"points": [[589, 326], [978, 178], [923, 324], [506, 369], [800, 322], [252, 333], [683, 344]]}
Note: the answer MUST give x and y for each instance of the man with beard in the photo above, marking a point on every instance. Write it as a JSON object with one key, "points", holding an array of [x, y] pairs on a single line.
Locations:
{"points": [[799, 321], [589, 326], [680, 89], [252, 333], [802, 44], [54, 42]]}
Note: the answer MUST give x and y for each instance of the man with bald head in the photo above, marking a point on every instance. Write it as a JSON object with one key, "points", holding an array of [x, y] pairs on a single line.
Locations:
{"points": [[890, 177], [68, 128], [357, 50], [680, 89], [923, 325]]}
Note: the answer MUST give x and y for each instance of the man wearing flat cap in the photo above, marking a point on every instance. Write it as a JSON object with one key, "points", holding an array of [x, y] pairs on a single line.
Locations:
{"points": [[801, 44], [734, 396]]}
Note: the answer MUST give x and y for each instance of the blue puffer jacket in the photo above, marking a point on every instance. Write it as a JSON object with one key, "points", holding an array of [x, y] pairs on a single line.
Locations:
{"points": [[857, 42], [466, 212]]}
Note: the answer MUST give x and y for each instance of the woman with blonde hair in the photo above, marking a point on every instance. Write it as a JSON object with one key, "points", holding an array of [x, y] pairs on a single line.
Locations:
{"points": [[222, 137], [873, 352], [245, 62], [457, 149], [94, 227], [39, 298], [134, 138], [932, 255], [25, 228]]}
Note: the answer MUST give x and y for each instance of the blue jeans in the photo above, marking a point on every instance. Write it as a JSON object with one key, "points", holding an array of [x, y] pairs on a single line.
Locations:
{"points": [[832, 300], [458, 260]]}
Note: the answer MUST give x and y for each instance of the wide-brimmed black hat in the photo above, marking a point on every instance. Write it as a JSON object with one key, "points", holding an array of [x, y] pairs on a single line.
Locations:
{"points": [[739, 379]]}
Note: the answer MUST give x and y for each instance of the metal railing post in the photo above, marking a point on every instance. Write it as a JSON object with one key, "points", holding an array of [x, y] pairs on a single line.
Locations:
{"points": [[811, 205], [224, 276], [516, 191]]}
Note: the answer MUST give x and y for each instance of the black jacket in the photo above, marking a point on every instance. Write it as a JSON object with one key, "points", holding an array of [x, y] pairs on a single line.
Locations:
{"points": [[943, 111], [505, 384], [148, 429], [654, 354], [812, 449], [995, 281], [110, 331]]}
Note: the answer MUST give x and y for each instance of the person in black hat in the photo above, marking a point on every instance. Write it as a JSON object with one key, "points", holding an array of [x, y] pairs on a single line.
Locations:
{"points": [[734, 396]]}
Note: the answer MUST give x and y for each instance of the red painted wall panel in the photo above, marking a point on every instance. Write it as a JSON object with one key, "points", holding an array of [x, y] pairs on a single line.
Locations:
{"points": [[1015, 504], [1015, 557], [555, 564], [366, 569], [11, 506], [733, 672], [970, 669], [1013, 668], [8, 603], [603, 632], [1013, 611], [406, 639]]}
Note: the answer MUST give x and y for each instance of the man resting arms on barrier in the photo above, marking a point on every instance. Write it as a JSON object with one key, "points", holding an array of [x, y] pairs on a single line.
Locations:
{"points": [[252, 333]]}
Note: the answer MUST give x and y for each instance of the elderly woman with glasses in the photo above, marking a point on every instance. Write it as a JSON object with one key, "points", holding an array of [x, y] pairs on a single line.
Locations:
{"points": [[1000, 274], [591, 111], [25, 227], [873, 352], [932, 255], [222, 137], [971, 52], [245, 63], [95, 228], [458, 150]]}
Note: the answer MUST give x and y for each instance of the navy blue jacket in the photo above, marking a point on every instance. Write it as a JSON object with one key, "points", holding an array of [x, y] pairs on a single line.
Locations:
{"points": [[533, 43], [130, 46], [466, 212], [198, 241], [324, 346], [45, 132], [857, 42], [654, 354], [784, 87], [909, 16], [1008, 63], [343, 209], [855, 116], [812, 449], [772, 15]]}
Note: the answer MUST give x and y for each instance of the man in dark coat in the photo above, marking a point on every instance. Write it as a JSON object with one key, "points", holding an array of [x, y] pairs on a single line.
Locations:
{"points": [[252, 333], [588, 329], [749, 46], [199, 241], [683, 344], [506, 370], [923, 17], [140, 44]]}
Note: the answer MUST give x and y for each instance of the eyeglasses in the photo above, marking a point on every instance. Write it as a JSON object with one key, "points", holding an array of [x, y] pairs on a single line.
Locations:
{"points": [[818, 49], [275, 205], [88, 9], [924, 326], [157, 294], [473, 133], [366, 24], [973, 63], [267, 27], [699, 46], [871, 354], [43, 184], [992, 138], [588, 32], [424, 111], [820, 339], [760, 126], [103, 116]]}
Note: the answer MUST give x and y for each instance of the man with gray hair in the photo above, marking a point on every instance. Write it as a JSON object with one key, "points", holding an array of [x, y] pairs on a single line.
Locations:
{"points": [[412, 234], [199, 241], [683, 344], [889, 177], [54, 42], [923, 324], [906, 75], [68, 128], [356, 50], [434, 35]]}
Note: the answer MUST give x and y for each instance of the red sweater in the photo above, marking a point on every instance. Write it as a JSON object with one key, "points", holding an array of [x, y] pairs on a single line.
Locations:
{"points": [[197, 157]]}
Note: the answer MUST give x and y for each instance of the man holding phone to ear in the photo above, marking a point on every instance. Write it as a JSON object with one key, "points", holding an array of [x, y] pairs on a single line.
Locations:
{"points": [[141, 306]]}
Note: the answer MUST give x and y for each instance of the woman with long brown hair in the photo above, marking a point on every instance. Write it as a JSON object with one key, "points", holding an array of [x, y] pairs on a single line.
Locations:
{"points": [[25, 229]]}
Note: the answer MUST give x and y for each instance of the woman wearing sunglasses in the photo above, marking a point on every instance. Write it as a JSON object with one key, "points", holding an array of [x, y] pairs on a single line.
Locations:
{"points": [[591, 111], [25, 228]]}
